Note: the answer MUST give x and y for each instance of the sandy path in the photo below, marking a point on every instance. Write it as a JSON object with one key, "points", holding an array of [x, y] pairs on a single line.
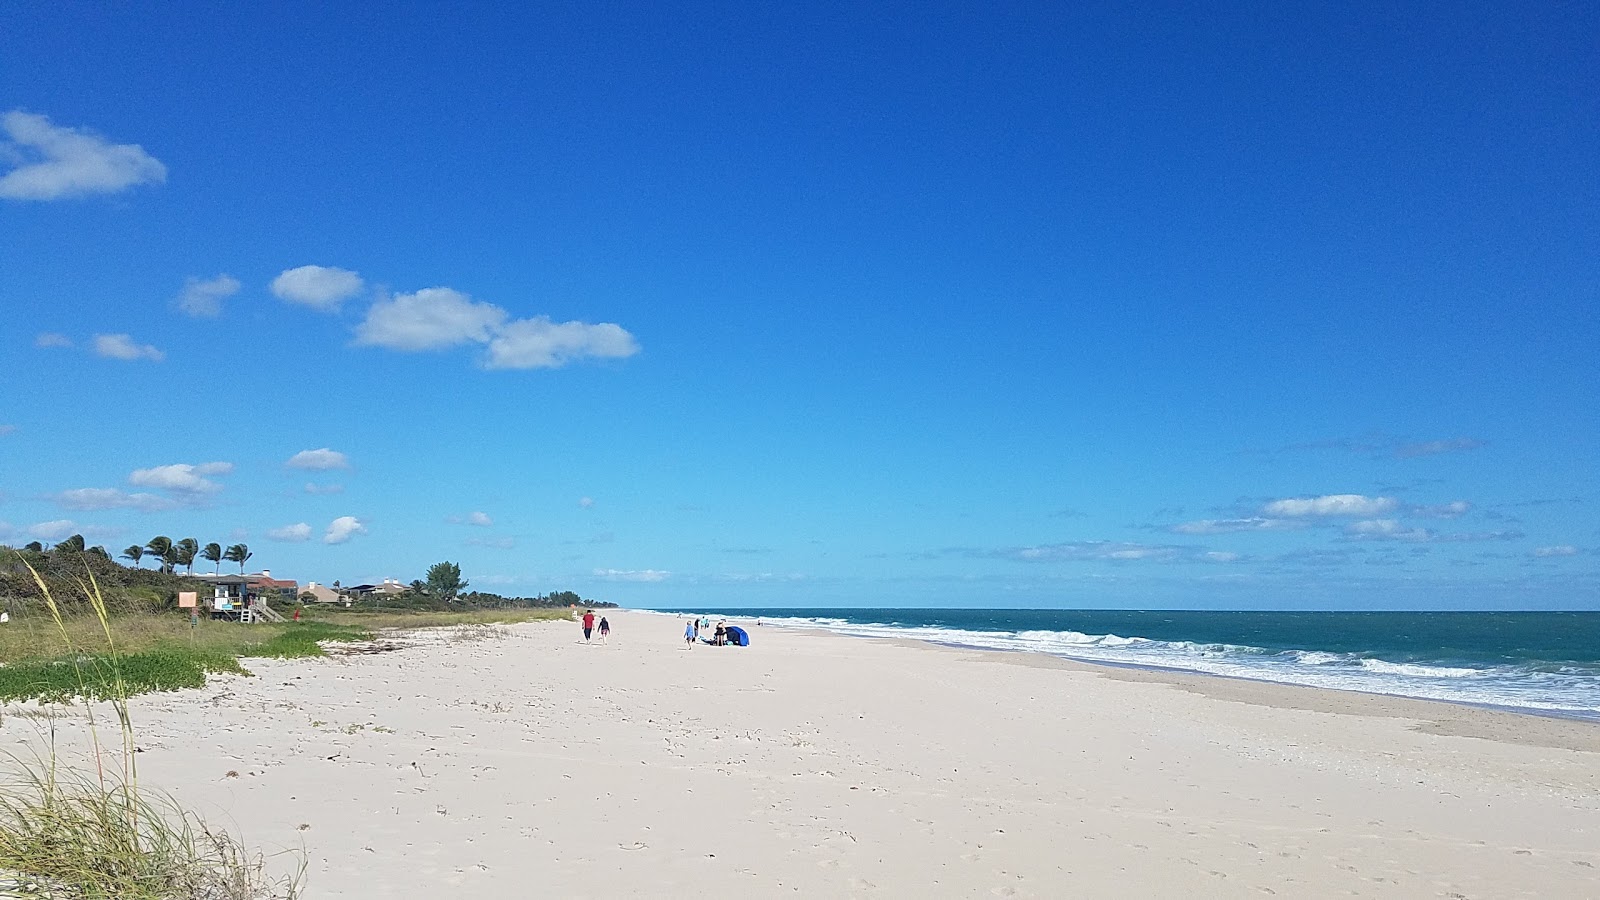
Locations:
{"points": [[817, 765]]}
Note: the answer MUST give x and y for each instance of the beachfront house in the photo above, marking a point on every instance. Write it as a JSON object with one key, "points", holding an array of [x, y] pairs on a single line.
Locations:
{"points": [[388, 588], [263, 584], [320, 593]]}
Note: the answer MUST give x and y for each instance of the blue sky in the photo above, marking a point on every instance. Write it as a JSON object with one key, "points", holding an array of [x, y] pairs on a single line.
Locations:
{"points": [[1288, 306]]}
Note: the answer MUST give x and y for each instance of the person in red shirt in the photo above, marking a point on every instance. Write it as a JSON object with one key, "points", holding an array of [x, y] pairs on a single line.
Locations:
{"points": [[588, 624]]}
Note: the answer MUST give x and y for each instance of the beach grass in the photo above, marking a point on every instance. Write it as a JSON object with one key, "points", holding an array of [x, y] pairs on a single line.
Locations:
{"points": [[93, 833]]}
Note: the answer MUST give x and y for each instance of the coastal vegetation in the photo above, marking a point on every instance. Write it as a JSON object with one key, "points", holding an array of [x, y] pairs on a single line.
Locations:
{"points": [[65, 832], [54, 646]]}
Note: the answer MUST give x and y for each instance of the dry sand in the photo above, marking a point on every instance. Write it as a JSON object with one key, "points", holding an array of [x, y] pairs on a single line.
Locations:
{"points": [[817, 765]]}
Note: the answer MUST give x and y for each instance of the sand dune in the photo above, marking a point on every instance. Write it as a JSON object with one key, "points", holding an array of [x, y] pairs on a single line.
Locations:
{"points": [[816, 765]]}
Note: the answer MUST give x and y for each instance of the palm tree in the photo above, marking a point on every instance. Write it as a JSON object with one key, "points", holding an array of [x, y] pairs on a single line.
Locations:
{"points": [[213, 553], [160, 547], [134, 553], [188, 549], [73, 544], [238, 553]]}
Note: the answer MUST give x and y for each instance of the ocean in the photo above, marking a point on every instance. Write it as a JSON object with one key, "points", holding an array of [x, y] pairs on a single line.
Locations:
{"points": [[1540, 662]]}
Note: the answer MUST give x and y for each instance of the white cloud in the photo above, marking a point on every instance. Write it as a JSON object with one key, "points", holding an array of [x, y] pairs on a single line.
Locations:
{"points": [[121, 346], [642, 575], [1232, 526], [585, 502], [182, 478], [1557, 550], [295, 533], [1434, 448], [319, 460], [112, 498], [481, 519], [440, 317], [52, 162], [202, 298], [1386, 530], [52, 531], [343, 529], [1080, 551], [319, 287], [1330, 505], [313, 488], [430, 319], [7, 429], [495, 543], [539, 343], [1452, 510], [52, 340]]}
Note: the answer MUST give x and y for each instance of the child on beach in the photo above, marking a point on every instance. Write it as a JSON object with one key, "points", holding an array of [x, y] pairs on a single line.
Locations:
{"points": [[605, 629]]}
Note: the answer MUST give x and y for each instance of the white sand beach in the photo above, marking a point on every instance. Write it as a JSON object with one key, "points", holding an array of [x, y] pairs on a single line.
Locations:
{"points": [[811, 764]]}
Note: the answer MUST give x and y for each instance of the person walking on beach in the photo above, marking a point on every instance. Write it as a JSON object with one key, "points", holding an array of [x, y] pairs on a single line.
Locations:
{"points": [[688, 633], [605, 630], [588, 624]]}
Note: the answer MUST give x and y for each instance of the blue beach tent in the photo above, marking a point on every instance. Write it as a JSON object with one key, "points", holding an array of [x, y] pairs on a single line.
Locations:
{"points": [[738, 636]]}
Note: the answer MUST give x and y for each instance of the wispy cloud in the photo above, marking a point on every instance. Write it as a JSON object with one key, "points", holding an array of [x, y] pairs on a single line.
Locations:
{"points": [[480, 519], [322, 288], [122, 346], [439, 318], [112, 498], [313, 488], [296, 533], [1394, 530], [343, 529], [202, 298], [503, 543], [585, 502], [53, 530], [1556, 551], [52, 162], [640, 575], [1330, 505], [1452, 510], [6, 429], [1235, 526], [51, 340], [1381, 446], [321, 459], [1434, 448], [1101, 551]]}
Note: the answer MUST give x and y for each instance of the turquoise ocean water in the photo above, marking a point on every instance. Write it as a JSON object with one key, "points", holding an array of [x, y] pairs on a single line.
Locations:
{"points": [[1545, 662]]}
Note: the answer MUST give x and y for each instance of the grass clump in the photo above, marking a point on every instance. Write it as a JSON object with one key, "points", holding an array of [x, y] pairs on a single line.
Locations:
{"points": [[302, 639], [104, 677], [84, 838]]}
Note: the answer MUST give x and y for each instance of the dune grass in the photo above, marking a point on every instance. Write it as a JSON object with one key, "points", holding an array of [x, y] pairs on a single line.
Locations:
{"points": [[67, 833]]}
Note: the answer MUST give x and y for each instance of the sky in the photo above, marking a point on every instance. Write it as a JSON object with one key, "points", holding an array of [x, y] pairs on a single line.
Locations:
{"points": [[1283, 306]]}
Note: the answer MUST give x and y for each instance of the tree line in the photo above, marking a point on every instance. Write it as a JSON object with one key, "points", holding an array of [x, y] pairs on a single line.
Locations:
{"points": [[170, 554]]}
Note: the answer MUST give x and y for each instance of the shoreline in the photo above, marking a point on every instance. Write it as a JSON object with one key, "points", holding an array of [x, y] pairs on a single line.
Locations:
{"points": [[1176, 672], [810, 763]]}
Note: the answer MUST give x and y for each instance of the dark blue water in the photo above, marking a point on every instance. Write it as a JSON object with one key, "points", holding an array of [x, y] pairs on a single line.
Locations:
{"points": [[1538, 661]]}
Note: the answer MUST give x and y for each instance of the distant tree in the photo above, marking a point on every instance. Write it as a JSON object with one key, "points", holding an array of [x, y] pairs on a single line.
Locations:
{"points": [[134, 553], [213, 554], [34, 547], [240, 554], [445, 581], [187, 550], [99, 551], [160, 547], [72, 544]]}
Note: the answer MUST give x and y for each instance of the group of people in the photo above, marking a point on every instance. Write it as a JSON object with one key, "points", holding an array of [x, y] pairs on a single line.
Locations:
{"points": [[588, 627], [691, 632]]}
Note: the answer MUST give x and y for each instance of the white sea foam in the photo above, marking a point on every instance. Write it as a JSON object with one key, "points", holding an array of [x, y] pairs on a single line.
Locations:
{"points": [[1566, 691]]}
